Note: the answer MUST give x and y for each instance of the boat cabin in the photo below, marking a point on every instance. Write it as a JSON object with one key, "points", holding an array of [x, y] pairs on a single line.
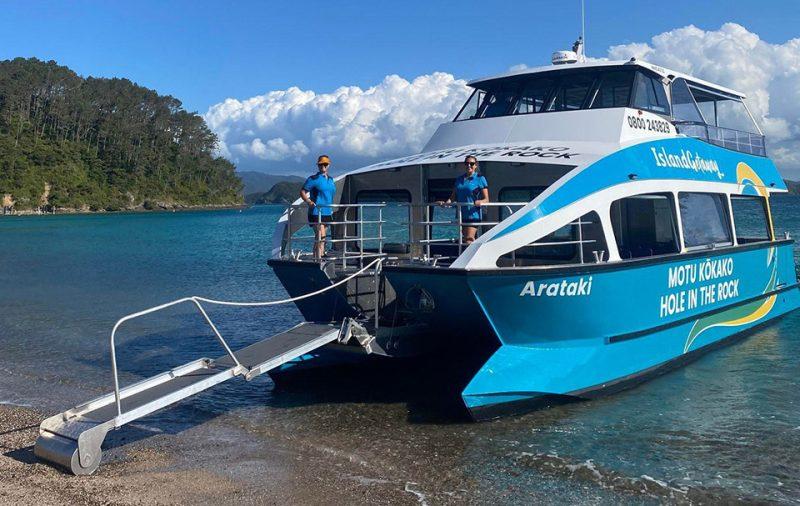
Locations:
{"points": [[586, 163]]}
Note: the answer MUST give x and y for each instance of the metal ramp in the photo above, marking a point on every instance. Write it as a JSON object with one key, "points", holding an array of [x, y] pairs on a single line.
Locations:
{"points": [[73, 439]]}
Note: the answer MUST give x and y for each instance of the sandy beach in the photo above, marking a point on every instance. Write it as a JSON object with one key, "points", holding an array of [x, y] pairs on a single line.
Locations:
{"points": [[165, 469]]}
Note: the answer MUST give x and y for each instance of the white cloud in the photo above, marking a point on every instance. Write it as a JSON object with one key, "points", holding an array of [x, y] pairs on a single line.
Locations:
{"points": [[734, 57], [273, 150], [285, 130]]}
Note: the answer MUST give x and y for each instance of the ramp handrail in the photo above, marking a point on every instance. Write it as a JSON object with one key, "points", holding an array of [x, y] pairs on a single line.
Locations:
{"points": [[196, 300]]}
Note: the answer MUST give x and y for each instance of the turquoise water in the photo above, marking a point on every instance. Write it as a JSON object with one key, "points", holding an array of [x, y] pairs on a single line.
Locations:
{"points": [[726, 427]]}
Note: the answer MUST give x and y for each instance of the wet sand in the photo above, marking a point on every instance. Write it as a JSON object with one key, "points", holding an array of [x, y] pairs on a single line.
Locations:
{"points": [[190, 467]]}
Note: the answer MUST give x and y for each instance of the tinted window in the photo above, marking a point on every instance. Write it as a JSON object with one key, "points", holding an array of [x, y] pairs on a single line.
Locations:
{"points": [[490, 103], [498, 102], [750, 219], [644, 225], [614, 90], [704, 217], [649, 94], [470, 109], [533, 95], [571, 92]]}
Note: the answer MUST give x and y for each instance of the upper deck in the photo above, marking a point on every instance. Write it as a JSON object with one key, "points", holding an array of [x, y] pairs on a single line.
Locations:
{"points": [[565, 150], [616, 102]]}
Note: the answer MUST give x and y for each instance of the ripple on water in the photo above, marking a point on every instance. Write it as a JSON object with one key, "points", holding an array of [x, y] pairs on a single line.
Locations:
{"points": [[723, 429]]}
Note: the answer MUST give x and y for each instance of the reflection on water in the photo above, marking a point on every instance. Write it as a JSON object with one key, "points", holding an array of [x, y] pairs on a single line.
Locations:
{"points": [[724, 428]]}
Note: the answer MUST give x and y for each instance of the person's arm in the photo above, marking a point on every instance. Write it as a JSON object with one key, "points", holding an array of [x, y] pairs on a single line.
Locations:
{"points": [[304, 194], [449, 200], [484, 197]]}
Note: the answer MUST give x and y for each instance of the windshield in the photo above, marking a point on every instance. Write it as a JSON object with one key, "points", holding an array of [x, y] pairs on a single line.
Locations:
{"points": [[567, 90]]}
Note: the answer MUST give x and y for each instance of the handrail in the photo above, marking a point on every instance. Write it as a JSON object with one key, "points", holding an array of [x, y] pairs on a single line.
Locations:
{"points": [[360, 222], [196, 300], [743, 141]]}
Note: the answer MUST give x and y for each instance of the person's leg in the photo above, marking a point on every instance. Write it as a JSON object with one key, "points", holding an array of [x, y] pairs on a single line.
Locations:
{"points": [[469, 234], [319, 243]]}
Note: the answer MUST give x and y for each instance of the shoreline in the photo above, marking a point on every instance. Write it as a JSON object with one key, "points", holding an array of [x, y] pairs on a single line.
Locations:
{"points": [[211, 465], [175, 209]]}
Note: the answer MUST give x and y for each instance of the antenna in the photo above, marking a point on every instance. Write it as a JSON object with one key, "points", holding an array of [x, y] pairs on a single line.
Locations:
{"points": [[583, 25]]}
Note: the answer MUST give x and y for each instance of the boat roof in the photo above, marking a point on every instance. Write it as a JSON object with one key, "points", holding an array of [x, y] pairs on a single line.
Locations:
{"points": [[662, 71]]}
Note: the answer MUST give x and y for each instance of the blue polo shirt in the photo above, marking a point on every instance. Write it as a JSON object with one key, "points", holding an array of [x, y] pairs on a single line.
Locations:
{"points": [[469, 189], [322, 189]]}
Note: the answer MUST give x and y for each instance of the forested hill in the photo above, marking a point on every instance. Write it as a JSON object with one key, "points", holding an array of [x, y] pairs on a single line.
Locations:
{"points": [[68, 142]]}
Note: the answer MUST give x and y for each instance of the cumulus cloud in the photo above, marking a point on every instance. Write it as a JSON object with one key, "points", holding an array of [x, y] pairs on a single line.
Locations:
{"points": [[733, 56], [273, 150], [285, 130]]}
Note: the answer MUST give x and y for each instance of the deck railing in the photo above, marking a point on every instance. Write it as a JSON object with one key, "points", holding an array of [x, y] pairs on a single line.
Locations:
{"points": [[296, 224], [737, 140], [425, 237]]}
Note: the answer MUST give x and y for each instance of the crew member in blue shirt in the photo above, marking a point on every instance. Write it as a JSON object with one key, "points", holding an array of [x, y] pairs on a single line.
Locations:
{"points": [[318, 192], [471, 188]]}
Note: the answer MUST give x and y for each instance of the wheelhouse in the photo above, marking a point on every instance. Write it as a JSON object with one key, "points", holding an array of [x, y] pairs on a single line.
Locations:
{"points": [[568, 90]]}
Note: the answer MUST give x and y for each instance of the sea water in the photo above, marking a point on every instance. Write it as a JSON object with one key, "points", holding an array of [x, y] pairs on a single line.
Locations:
{"points": [[726, 427]]}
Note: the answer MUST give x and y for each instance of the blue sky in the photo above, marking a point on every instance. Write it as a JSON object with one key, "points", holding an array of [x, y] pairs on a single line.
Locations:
{"points": [[280, 82], [204, 52]]}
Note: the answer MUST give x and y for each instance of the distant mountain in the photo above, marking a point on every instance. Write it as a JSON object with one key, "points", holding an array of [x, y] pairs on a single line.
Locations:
{"points": [[793, 186], [259, 182], [284, 192]]}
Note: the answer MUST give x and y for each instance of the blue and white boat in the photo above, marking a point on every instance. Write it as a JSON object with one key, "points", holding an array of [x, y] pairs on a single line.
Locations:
{"points": [[629, 232]]}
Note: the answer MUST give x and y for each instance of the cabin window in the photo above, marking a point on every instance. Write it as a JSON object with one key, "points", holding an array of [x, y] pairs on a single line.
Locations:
{"points": [[394, 214], [722, 110], [614, 90], [684, 107], [649, 94], [704, 217], [498, 102], [490, 103], [533, 95], [470, 109], [750, 218], [645, 225], [571, 93], [580, 241]]}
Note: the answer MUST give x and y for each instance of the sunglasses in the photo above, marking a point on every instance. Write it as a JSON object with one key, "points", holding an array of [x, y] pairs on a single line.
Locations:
{"points": [[322, 164], [470, 164]]}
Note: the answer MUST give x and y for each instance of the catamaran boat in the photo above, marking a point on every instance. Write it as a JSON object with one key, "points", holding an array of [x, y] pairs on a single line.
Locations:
{"points": [[628, 231]]}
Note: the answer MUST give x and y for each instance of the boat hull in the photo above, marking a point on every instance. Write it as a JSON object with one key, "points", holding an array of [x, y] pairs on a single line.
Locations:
{"points": [[528, 336], [586, 331]]}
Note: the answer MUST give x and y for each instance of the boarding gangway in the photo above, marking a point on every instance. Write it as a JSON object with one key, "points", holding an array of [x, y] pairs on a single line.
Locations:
{"points": [[73, 439]]}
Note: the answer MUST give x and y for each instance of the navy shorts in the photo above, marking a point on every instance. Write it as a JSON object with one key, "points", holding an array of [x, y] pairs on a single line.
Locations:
{"points": [[313, 219]]}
